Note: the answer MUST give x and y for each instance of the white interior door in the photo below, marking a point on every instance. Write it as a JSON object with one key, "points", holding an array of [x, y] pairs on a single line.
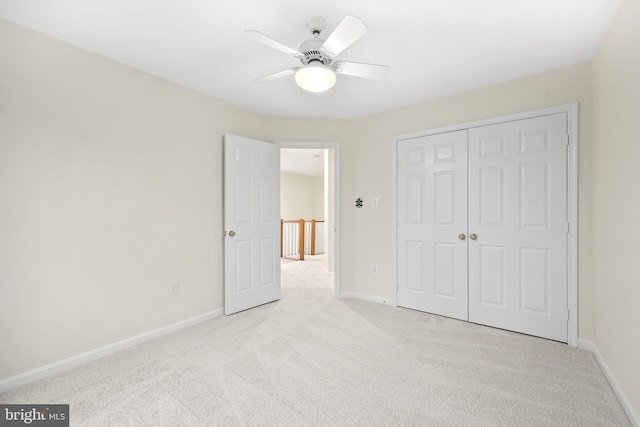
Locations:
{"points": [[518, 211], [432, 218], [252, 223]]}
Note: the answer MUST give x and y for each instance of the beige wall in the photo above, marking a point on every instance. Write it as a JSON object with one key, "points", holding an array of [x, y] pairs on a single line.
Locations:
{"points": [[104, 165], [299, 196], [365, 158], [318, 197], [616, 199], [372, 138], [111, 189], [111, 186]]}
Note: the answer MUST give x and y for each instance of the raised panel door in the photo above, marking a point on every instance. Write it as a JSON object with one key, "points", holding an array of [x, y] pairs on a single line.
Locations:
{"points": [[252, 223], [518, 211], [432, 213]]}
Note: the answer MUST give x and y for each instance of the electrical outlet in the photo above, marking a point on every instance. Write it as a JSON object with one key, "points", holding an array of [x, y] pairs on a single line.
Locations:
{"points": [[174, 288], [374, 202], [374, 268]]}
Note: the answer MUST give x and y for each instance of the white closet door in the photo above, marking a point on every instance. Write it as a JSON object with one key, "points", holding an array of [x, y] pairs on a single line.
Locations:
{"points": [[432, 213], [518, 210]]}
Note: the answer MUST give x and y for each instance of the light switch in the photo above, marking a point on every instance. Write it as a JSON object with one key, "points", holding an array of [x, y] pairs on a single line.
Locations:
{"points": [[374, 202]]}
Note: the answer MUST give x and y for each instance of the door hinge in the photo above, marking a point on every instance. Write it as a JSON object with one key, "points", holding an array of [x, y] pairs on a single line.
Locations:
{"points": [[566, 139], [568, 315], [567, 226]]}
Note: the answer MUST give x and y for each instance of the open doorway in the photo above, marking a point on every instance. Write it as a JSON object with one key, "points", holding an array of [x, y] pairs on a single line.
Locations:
{"points": [[309, 191]]}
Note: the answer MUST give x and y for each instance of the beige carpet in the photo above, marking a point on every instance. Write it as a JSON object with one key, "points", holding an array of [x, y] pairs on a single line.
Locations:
{"points": [[313, 360]]}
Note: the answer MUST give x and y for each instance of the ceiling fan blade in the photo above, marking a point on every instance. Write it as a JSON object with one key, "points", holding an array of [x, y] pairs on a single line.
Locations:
{"points": [[278, 75], [348, 31], [356, 69], [259, 37]]}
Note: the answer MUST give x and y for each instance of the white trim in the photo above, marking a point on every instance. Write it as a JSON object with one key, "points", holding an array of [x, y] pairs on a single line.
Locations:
{"points": [[572, 195], [394, 221], [586, 345], [364, 297], [82, 358], [572, 217], [622, 397], [564, 108], [336, 202]]}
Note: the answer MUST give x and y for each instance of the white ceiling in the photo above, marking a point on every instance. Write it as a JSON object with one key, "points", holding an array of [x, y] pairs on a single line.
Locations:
{"points": [[303, 161], [434, 47]]}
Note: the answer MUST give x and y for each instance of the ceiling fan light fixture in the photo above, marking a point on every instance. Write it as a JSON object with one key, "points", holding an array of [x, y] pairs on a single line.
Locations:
{"points": [[315, 77]]}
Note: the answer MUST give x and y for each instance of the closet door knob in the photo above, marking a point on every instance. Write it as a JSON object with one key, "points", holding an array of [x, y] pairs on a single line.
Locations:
{"points": [[473, 236], [461, 236], [232, 233]]}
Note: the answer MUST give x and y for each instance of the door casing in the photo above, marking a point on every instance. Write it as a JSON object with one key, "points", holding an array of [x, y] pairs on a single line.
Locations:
{"points": [[572, 199]]}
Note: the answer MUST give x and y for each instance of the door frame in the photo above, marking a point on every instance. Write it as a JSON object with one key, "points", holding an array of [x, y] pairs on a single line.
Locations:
{"points": [[336, 199], [571, 110]]}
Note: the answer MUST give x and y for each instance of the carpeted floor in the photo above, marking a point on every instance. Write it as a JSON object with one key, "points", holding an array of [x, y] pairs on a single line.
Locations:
{"points": [[313, 360]]}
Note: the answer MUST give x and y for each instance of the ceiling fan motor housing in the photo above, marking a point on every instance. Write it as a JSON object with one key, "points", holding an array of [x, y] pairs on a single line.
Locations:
{"points": [[311, 50]]}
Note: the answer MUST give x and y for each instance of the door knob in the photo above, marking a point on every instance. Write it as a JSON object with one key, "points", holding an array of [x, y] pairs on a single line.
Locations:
{"points": [[461, 236], [232, 233], [473, 236]]}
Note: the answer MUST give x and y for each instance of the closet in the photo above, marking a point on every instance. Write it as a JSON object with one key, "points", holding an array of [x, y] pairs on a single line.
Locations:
{"points": [[482, 225]]}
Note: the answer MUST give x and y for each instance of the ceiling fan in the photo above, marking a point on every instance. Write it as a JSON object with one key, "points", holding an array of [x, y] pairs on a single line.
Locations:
{"points": [[318, 70]]}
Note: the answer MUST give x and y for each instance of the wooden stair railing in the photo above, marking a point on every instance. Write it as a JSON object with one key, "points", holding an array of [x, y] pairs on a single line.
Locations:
{"points": [[292, 238]]}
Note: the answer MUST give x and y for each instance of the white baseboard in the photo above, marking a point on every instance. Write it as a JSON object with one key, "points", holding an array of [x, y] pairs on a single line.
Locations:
{"points": [[364, 297], [82, 358], [586, 345], [626, 403]]}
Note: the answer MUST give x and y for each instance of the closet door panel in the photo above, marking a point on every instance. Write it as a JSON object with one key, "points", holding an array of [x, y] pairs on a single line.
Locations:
{"points": [[518, 211], [432, 213]]}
